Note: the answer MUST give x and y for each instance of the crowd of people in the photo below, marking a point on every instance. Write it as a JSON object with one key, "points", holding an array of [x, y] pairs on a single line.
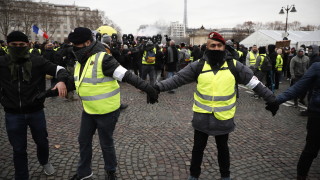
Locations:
{"points": [[92, 66]]}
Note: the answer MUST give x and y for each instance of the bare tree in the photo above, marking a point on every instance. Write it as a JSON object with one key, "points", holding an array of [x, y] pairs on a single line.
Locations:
{"points": [[295, 25], [258, 26], [49, 19], [249, 26], [6, 14]]}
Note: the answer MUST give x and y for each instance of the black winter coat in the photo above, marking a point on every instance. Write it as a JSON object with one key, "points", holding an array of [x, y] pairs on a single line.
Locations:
{"points": [[19, 96]]}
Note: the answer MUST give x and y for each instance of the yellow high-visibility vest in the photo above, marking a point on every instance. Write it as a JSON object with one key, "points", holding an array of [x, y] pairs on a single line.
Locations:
{"points": [[216, 93], [252, 59], [100, 94], [279, 63]]}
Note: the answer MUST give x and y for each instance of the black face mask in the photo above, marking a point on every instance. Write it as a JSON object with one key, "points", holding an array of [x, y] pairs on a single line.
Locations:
{"points": [[19, 54], [75, 49], [215, 57]]}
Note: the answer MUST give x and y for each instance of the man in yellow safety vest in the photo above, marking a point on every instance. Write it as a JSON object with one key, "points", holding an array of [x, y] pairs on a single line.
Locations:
{"points": [[95, 78], [214, 105]]}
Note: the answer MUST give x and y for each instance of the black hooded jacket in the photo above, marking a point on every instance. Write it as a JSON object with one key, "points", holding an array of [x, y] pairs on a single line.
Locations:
{"points": [[272, 55]]}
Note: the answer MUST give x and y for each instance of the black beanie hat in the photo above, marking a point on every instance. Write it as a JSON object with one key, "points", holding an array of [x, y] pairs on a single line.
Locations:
{"points": [[17, 36], [80, 35]]}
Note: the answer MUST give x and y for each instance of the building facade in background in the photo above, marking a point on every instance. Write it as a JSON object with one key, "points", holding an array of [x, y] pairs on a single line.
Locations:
{"points": [[56, 20]]}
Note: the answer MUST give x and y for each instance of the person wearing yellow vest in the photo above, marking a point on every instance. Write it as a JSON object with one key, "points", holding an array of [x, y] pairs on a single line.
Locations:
{"points": [[215, 100], [95, 80], [252, 57], [278, 67], [3, 48], [148, 62]]}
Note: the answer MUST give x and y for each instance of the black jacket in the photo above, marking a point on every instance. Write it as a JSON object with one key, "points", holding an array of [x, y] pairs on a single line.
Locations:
{"points": [[19, 96]]}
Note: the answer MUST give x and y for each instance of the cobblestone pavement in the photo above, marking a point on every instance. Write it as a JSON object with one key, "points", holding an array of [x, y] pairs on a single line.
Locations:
{"points": [[155, 141]]}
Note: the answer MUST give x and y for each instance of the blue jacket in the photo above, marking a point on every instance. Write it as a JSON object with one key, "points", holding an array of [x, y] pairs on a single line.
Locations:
{"points": [[310, 80]]}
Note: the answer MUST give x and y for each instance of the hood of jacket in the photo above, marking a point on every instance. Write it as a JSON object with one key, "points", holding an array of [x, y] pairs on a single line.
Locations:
{"points": [[315, 50]]}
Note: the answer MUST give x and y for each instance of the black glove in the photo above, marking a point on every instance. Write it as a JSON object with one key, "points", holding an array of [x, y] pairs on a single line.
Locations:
{"points": [[152, 94], [272, 107], [45, 94]]}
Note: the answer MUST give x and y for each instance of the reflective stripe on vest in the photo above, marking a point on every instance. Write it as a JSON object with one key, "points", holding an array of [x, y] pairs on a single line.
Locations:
{"points": [[216, 93], [252, 59], [99, 94], [145, 54], [279, 63]]}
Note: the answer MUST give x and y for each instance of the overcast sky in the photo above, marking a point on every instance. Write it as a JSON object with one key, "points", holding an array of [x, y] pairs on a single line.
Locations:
{"points": [[130, 14]]}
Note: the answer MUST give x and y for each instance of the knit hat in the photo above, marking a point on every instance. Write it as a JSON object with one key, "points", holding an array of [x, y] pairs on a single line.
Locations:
{"points": [[217, 37], [80, 35], [17, 36]]}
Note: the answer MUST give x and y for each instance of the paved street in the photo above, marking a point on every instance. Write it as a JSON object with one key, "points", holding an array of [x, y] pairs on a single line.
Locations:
{"points": [[155, 141]]}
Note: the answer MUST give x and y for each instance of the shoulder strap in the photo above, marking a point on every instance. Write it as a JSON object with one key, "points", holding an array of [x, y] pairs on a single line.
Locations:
{"points": [[235, 73], [200, 66]]}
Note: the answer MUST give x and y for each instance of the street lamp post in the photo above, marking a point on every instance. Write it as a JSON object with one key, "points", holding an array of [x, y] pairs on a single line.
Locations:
{"points": [[293, 9]]}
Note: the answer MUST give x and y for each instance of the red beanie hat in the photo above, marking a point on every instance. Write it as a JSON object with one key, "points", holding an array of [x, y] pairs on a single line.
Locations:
{"points": [[217, 37]]}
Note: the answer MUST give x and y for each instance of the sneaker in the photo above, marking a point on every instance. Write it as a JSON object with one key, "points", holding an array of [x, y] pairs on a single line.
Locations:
{"points": [[123, 106], [192, 178], [111, 175], [75, 177], [225, 178], [48, 169]]}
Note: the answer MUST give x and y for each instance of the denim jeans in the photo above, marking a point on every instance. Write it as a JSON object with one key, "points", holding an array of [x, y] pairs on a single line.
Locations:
{"points": [[105, 124], [16, 125], [200, 143]]}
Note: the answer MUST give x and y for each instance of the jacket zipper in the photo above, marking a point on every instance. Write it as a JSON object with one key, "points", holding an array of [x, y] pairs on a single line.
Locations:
{"points": [[19, 90]]}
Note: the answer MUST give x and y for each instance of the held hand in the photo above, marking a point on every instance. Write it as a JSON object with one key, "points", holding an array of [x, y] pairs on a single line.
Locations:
{"points": [[152, 94], [62, 89], [272, 107]]}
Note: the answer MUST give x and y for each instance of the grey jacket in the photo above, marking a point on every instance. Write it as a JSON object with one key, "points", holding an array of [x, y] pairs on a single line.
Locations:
{"points": [[207, 123], [298, 66]]}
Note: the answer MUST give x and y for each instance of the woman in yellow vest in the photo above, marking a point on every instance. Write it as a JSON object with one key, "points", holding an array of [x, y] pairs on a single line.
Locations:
{"points": [[215, 100], [95, 79], [278, 67]]}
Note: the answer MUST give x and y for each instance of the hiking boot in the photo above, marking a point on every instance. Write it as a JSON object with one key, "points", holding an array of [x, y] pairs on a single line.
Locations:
{"points": [[48, 169], [111, 175], [192, 178], [76, 177]]}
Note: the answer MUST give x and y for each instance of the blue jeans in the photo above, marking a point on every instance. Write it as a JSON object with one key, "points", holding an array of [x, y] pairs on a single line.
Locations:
{"points": [[105, 124], [16, 125]]}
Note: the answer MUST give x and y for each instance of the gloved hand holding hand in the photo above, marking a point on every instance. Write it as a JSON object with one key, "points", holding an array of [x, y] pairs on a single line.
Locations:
{"points": [[272, 107], [152, 94]]}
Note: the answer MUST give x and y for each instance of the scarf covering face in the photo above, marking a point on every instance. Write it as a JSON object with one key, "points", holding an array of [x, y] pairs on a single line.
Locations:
{"points": [[82, 54], [19, 57], [215, 57]]}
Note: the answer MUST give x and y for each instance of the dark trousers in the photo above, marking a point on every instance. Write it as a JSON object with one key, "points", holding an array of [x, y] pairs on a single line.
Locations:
{"points": [[277, 79], [16, 125], [148, 69], [200, 143], [302, 95], [105, 124], [311, 148]]}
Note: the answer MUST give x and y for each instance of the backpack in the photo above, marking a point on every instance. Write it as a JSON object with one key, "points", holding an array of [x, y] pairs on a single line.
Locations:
{"points": [[150, 56], [266, 64], [231, 67]]}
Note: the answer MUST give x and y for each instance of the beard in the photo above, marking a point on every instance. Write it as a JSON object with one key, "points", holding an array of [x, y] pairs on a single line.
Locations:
{"points": [[215, 57]]}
